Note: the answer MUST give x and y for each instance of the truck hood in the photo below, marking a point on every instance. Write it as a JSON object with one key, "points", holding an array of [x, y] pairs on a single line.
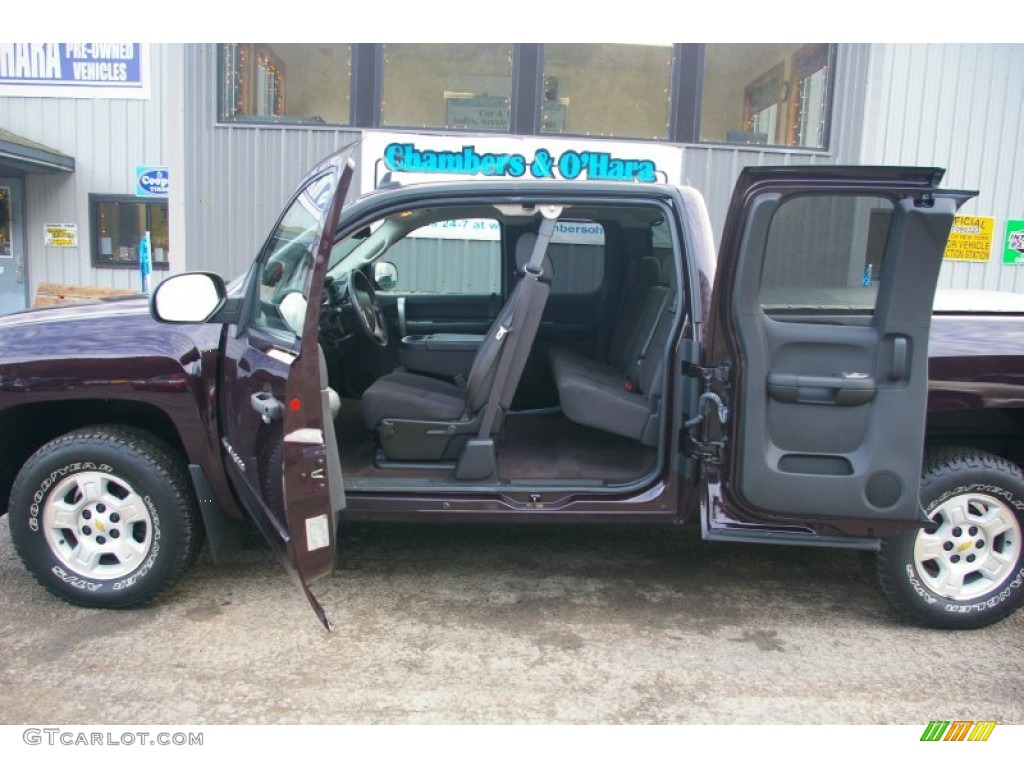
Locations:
{"points": [[117, 307], [113, 329]]}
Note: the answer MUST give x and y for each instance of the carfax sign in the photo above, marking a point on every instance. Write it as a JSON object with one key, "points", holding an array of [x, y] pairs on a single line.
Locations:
{"points": [[75, 70], [1013, 242]]}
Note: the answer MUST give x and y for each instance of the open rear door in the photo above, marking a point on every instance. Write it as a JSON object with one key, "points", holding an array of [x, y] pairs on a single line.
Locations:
{"points": [[819, 342], [276, 422]]}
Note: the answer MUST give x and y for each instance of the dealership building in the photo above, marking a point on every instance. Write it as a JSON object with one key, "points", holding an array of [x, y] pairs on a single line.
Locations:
{"points": [[200, 145]]}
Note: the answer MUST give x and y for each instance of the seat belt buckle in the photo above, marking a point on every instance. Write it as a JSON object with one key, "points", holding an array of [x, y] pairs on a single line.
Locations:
{"points": [[501, 333]]}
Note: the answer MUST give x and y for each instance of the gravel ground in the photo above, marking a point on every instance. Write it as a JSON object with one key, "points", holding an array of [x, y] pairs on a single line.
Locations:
{"points": [[506, 625]]}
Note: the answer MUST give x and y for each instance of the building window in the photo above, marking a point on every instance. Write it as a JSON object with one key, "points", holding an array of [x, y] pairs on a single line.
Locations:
{"points": [[771, 94], [762, 107], [118, 223], [294, 83], [595, 89], [809, 99], [6, 236], [457, 86]]}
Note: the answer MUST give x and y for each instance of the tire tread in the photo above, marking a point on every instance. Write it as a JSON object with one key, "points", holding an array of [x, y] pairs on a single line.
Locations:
{"points": [[163, 461], [939, 464]]}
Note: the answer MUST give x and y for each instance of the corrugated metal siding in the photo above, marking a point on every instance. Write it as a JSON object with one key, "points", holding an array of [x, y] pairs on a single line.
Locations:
{"points": [[428, 265], [239, 176], [473, 267], [960, 107], [107, 138]]}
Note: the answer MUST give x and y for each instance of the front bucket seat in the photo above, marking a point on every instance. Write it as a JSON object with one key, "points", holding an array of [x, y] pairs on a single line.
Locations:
{"points": [[420, 418]]}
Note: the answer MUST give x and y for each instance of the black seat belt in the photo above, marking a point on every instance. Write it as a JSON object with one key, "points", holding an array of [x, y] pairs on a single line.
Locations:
{"points": [[635, 373], [534, 271]]}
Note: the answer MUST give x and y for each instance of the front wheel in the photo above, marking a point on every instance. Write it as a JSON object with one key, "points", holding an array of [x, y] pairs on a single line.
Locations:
{"points": [[104, 517], [965, 570]]}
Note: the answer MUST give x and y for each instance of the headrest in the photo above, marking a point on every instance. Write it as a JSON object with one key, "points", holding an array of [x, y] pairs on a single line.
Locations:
{"points": [[648, 271], [524, 250]]}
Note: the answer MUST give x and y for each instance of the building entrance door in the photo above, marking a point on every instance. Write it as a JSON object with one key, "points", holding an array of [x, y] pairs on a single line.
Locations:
{"points": [[12, 246]]}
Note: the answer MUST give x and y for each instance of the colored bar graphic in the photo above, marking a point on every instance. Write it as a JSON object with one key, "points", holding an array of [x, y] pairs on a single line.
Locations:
{"points": [[958, 730], [982, 730]]}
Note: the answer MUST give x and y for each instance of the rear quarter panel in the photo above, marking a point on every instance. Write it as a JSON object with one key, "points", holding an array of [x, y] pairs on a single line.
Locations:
{"points": [[975, 362]]}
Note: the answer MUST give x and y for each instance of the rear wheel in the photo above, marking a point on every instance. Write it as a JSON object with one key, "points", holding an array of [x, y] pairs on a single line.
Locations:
{"points": [[104, 517], [964, 570]]}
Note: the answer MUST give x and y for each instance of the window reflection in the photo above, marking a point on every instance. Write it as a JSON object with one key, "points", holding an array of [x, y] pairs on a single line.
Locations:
{"points": [[293, 82], [118, 226], [772, 94], [458, 86], [598, 89]]}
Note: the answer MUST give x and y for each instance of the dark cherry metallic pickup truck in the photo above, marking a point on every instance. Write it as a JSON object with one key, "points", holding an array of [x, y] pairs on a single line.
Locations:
{"points": [[536, 351]]}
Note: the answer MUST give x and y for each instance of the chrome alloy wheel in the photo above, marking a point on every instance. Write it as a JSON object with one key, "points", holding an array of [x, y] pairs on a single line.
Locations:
{"points": [[97, 525], [970, 549]]}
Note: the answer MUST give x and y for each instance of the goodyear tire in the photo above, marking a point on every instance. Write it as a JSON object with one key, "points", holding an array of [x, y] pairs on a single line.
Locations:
{"points": [[966, 569], [104, 517]]}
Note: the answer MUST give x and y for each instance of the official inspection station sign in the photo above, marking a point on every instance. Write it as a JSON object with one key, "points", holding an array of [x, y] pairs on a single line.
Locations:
{"points": [[61, 235], [970, 239]]}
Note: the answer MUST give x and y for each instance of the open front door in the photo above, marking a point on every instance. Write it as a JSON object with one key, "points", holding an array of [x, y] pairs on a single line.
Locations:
{"points": [[276, 420], [821, 312]]}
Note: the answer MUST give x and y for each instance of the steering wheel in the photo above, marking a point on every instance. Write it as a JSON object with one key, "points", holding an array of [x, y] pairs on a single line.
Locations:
{"points": [[360, 304]]}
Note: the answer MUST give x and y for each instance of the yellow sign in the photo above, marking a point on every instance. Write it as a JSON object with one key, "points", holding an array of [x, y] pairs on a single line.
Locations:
{"points": [[61, 235], [970, 239]]}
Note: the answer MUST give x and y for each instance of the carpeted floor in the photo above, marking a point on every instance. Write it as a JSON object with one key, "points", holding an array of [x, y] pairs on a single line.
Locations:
{"points": [[532, 446]]}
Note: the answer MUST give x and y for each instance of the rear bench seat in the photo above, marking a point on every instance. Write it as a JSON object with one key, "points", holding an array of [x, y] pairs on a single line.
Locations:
{"points": [[622, 394]]}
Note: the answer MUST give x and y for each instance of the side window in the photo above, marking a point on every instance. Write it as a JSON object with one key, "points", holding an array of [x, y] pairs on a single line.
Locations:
{"points": [[287, 260], [826, 253], [460, 257], [663, 250], [577, 253]]}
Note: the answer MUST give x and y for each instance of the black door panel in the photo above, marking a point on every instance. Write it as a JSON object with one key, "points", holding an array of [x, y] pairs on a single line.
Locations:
{"points": [[826, 320]]}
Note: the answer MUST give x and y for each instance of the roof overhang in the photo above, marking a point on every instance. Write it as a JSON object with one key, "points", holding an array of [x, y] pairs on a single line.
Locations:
{"points": [[19, 155]]}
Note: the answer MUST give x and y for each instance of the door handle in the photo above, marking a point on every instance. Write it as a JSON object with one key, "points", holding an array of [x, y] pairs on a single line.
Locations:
{"points": [[900, 357], [267, 406], [845, 389]]}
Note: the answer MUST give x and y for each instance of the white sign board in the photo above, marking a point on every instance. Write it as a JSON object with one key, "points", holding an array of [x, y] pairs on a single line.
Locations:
{"points": [[75, 70], [411, 157], [61, 235]]}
